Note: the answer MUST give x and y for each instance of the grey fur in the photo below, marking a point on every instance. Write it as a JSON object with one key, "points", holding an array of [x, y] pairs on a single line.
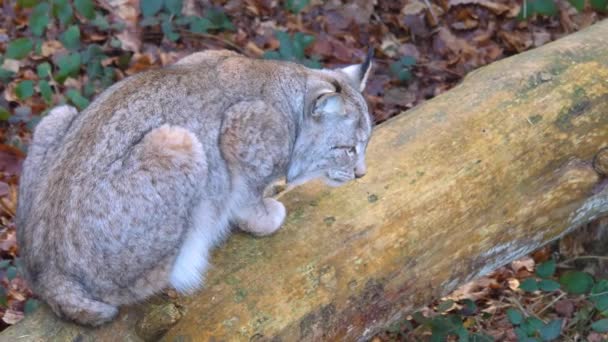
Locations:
{"points": [[128, 197]]}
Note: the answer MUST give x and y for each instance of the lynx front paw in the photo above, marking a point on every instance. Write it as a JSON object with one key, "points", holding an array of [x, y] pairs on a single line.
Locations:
{"points": [[266, 220]]}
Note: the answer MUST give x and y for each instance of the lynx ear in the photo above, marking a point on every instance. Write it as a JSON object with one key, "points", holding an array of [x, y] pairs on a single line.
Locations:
{"points": [[328, 104], [358, 73]]}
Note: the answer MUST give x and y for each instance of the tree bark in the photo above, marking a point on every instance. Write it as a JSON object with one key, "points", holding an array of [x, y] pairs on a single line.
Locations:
{"points": [[504, 163]]}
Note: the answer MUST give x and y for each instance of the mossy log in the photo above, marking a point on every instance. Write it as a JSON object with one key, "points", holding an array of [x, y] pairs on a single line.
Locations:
{"points": [[511, 159]]}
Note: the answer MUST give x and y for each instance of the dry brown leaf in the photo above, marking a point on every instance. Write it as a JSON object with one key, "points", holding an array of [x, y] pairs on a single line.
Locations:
{"points": [[526, 262], [565, 307], [12, 316], [50, 48], [495, 7], [11, 65]]}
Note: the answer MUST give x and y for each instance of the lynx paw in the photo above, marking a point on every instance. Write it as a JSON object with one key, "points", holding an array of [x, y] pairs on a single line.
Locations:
{"points": [[268, 221]]}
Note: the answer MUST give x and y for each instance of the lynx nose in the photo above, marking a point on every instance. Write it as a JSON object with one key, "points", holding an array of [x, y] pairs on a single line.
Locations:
{"points": [[360, 171]]}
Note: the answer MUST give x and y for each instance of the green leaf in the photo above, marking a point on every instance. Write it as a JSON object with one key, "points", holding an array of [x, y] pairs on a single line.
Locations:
{"points": [[445, 324], [167, 27], [479, 337], [300, 43], [200, 25], [551, 330], [94, 52], [286, 49], [150, 7], [546, 269], [174, 7], [600, 326], [63, 11], [404, 75], [271, 55], [39, 19], [599, 295], [531, 325], [599, 5], [27, 3], [296, 6], [548, 285], [24, 89], [4, 116], [395, 68], [11, 272], [545, 7], [30, 306], [576, 282], [43, 70], [578, 4], [46, 91], [408, 61], [184, 20], [86, 8], [469, 307], [515, 317], [521, 333], [445, 305], [219, 20], [19, 48], [77, 99], [529, 285], [101, 22], [463, 334], [69, 65], [526, 11], [420, 318], [6, 75], [71, 37], [3, 298]]}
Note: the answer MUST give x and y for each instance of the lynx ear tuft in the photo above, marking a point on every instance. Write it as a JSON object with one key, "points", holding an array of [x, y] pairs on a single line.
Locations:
{"points": [[358, 73], [328, 104]]}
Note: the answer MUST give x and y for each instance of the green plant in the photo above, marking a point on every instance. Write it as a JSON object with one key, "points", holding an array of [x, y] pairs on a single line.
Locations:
{"points": [[448, 322], [293, 48], [589, 316], [402, 68], [68, 17], [530, 8], [296, 6], [168, 13]]}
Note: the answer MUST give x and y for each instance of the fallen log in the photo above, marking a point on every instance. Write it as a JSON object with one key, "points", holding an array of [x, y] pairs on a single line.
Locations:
{"points": [[511, 159]]}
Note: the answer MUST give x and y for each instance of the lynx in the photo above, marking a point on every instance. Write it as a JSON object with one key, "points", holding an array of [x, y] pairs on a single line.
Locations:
{"points": [[128, 197]]}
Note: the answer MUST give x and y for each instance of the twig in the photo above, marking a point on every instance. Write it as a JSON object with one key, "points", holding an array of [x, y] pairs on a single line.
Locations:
{"points": [[552, 302], [212, 37], [583, 257], [597, 294], [428, 4], [521, 307]]}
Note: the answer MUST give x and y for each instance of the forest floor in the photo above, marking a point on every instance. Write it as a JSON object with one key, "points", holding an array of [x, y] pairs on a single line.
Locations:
{"points": [[68, 51]]}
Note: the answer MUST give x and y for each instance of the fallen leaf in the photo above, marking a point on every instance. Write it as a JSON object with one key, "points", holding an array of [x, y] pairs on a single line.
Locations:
{"points": [[12, 316]]}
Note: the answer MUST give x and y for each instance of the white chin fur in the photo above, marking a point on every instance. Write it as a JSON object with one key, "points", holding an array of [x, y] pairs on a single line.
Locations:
{"points": [[299, 180]]}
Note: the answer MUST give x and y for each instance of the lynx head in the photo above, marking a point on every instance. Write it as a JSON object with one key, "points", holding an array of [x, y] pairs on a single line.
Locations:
{"points": [[335, 129]]}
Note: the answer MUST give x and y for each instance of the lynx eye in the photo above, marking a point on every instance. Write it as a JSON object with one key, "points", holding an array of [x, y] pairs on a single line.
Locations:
{"points": [[350, 150]]}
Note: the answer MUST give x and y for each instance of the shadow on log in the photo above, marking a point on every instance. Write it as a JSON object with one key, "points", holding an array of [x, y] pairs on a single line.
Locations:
{"points": [[467, 182]]}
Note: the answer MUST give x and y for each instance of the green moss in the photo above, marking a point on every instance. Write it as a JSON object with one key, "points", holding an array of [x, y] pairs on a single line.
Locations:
{"points": [[534, 119], [580, 104], [239, 295], [329, 220]]}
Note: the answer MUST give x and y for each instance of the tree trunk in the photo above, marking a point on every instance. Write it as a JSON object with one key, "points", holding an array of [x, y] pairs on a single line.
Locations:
{"points": [[465, 183]]}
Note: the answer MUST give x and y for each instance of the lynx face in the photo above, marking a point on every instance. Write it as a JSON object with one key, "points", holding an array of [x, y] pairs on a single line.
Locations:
{"points": [[335, 131]]}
